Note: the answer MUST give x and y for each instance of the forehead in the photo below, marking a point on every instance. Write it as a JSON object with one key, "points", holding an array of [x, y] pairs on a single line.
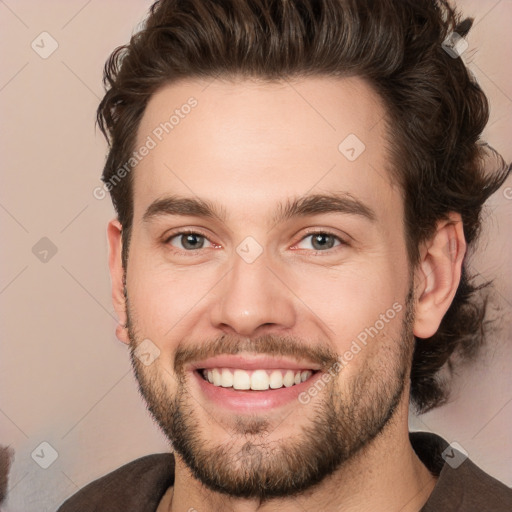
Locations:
{"points": [[248, 144]]}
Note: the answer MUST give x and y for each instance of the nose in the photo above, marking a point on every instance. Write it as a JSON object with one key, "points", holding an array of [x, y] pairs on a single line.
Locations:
{"points": [[252, 300]]}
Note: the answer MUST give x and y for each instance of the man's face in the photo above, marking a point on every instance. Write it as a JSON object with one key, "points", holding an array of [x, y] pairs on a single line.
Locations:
{"points": [[321, 291]]}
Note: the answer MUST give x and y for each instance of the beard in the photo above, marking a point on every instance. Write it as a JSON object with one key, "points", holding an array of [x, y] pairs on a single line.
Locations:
{"points": [[344, 418]]}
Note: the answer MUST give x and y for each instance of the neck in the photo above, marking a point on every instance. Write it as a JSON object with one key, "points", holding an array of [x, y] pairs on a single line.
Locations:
{"points": [[385, 475]]}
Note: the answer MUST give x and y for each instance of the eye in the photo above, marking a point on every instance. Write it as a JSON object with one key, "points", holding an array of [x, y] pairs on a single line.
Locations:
{"points": [[320, 241], [188, 241]]}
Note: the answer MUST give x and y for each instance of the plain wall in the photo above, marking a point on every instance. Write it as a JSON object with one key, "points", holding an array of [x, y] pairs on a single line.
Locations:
{"points": [[64, 377]]}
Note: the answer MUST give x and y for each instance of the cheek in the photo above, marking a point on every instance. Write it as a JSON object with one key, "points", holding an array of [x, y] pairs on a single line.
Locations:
{"points": [[351, 299], [149, 303], [373, 354], [164, 299], [158, 383]]}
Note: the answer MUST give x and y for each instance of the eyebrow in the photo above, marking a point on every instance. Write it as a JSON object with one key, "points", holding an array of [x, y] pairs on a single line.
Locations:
{"points": [[314, 204], [323, 203], [185, 206]]}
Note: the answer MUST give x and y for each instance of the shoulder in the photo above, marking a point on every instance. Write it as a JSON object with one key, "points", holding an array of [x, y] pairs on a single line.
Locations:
{"points": [[470, 489], [136, 486], [461, 484]]}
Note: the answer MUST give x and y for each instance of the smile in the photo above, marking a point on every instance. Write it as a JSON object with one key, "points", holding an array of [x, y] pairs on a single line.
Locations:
{"points": [[256, 380]]}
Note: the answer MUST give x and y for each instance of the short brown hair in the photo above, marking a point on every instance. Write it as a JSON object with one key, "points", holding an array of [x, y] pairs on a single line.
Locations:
{"points": [[436, 113]]}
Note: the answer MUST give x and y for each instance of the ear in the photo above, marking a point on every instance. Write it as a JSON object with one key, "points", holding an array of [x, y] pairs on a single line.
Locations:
{"points": [[437, 275], [115, 264]]}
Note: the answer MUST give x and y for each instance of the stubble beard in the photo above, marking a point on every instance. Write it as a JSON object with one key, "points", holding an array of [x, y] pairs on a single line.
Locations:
{"points": [[252, 464]]}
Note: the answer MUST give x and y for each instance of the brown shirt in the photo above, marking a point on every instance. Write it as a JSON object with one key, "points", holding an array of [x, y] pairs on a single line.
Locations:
{"points": [[141, 485]]}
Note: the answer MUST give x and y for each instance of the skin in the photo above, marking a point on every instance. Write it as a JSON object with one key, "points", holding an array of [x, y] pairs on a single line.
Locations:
{"points": [[248, 146]]}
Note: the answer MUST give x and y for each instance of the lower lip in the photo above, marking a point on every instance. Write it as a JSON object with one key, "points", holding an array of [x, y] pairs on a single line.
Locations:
{"points": [[248, 400]]}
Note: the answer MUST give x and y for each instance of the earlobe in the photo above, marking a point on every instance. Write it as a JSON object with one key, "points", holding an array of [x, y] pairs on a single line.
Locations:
{"points": [[114, 231], [438, 275]]}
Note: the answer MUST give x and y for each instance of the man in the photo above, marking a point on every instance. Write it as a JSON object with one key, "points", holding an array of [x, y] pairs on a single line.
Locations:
{"points": [[297, 184]]}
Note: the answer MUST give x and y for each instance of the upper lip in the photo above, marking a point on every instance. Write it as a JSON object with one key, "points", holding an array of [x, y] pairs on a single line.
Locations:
{"points": [[253, 363]]}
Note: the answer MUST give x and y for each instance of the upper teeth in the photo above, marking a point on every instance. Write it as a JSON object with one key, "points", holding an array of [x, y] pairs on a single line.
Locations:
{"points": [[255, 379]]}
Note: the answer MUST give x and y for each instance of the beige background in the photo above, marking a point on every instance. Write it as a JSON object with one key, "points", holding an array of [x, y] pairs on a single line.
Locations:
{"points": [[64, 378]]}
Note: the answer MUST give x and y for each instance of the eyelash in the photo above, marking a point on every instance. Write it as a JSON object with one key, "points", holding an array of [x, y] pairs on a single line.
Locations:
{"points": [[192, 252], [313, 232], [181, 233]]}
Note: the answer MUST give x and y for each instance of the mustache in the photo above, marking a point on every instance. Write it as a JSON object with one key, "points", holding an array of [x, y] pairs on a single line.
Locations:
{"points": [[268, 344]]}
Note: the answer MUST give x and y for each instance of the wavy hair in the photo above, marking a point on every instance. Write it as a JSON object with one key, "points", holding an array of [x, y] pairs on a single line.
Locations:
{"points": [[435, 114]]}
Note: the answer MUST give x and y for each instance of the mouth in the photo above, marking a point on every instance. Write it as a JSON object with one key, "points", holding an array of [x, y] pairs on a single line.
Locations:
{"points": [[253, 384], [256, 380]]}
